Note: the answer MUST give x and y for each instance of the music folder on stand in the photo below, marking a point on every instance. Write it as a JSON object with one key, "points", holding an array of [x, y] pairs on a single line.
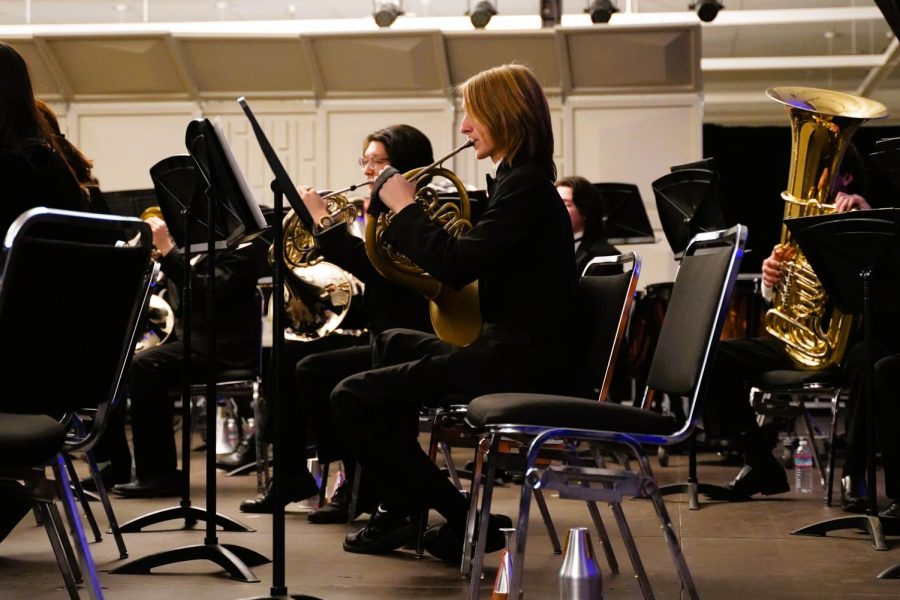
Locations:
{"points": [[232, 217], [856, 256], [624, 215], [283, 187]]}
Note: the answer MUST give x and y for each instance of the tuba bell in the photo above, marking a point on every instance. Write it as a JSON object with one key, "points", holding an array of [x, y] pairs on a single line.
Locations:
{"points": [[455, 315], [317, 294], [822, 123]]}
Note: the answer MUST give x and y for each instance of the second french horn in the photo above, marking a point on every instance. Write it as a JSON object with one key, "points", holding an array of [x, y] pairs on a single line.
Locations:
{"points": [[317, 293]]}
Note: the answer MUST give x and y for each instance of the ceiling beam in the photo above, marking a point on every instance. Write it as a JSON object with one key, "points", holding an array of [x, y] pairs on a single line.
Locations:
{"points": [[875, 77], [769, 63]]}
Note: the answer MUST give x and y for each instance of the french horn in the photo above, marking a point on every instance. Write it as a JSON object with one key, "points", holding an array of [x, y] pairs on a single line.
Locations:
{"points": [[160, 319], [317, 293], [455, 314]]}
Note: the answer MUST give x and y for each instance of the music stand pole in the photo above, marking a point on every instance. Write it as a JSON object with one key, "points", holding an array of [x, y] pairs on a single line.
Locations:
{"points": [[880, 232], [279, 590], [234, 559]]}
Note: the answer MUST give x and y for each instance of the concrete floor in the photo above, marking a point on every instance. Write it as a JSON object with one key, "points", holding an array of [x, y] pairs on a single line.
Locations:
{"points": [[735, 551]]}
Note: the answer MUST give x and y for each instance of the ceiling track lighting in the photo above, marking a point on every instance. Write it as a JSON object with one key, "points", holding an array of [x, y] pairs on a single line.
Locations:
{"points": [[385, 13], [482, 13], [601, 11], [706, 9]]}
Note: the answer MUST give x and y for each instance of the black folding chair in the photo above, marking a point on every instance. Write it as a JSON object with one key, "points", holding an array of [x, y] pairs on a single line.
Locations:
{"points": [[687, 344], [66, 338]]}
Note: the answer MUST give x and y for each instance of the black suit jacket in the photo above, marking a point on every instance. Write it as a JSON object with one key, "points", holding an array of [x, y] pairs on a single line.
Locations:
{"points": [[589, 249], [521, 253], [387, 305]]}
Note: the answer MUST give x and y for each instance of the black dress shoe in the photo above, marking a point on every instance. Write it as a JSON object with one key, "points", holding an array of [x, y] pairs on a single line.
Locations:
{"points": [[854, 498], [296, 490], [446, 543], [338, 509], [244, 454], [892, 511], [110, 477], [383, 533], [765, 480], [157, 486]]}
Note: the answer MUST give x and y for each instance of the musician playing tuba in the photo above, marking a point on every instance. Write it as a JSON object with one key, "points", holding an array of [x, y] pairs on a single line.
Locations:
{"points": [[739, 360], [322, 363], [520, 252]]}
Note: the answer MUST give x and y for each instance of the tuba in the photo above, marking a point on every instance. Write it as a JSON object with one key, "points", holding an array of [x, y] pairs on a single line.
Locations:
{"points": [[822, 123], [455, 314], [317, 294]]}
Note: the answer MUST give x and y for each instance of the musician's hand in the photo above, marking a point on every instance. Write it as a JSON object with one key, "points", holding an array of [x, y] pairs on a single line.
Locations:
{"points": [[397, 193], [771, 267], [845, 202], [161, 238], [314, 203]]}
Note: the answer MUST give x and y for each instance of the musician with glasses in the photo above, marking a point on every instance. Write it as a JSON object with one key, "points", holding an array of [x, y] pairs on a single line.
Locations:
{"points": [[33, 168], [526, 340], [322, 364]]}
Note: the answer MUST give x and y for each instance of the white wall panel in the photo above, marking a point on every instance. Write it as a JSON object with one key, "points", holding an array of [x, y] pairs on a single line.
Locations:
{"points": [[635, 140]]}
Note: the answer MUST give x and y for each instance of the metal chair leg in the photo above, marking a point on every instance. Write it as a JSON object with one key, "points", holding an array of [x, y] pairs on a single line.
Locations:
{"points": [[62, 559], [107, 505], [59, 470], [60, 528], [687, 581], [628, 539], [811, 432], [518, 567], [82, 498], [484, 516], [469, 546], [832, 436], [354, 497], [548, 521]]}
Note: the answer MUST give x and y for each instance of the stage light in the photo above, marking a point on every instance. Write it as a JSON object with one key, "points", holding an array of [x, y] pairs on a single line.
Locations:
{"points": [[385, 13], [706, 9], [482, 14], [601, 10]]}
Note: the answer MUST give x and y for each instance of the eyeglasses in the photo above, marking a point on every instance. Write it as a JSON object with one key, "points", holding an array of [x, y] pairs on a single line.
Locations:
{"points": [[373, 163]]}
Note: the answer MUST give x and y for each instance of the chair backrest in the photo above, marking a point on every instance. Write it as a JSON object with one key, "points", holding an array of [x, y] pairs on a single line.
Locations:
{"points": [[690, 333], [73, 289], [603, 306]]}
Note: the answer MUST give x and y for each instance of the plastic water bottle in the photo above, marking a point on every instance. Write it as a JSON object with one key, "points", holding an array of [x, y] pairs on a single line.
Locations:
{"points": [[232, 435], [803, 468]]}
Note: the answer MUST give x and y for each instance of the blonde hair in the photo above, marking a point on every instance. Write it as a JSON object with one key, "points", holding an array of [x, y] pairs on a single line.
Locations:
{"points": [[509, 102]]}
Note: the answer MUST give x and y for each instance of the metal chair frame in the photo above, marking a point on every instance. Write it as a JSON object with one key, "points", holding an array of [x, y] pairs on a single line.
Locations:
{"points": [[597, 483]]}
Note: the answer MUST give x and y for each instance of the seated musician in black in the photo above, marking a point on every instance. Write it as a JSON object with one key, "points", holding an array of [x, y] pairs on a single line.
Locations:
{"points": [[583, 202], [319, 369], [739, 360], [525, 343], [155, 372], [887, 417], [33, 168]]}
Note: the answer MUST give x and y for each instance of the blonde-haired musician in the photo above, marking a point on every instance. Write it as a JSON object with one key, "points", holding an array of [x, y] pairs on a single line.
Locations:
{"points": [[520, 252]]}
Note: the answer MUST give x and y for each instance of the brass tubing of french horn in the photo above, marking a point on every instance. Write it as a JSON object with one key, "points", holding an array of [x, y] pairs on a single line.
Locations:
{"points": [[438, 162]]}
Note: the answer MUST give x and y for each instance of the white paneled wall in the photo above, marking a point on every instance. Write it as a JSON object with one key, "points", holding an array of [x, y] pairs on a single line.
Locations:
{"points": [[631, 139]]}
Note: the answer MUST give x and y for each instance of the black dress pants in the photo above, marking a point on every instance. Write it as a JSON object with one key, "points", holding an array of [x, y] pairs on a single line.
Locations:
{"points": [[887, 410], [377, 415]]}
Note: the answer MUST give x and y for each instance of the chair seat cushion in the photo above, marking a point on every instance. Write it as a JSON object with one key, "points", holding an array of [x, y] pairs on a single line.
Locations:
{"points": [[788, 379], [29, 440], [565, 411]]}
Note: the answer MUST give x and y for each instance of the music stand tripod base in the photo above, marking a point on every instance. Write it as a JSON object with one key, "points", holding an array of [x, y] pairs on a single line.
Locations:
{"points": [[190, 514], [232, 558], [877, 528]]}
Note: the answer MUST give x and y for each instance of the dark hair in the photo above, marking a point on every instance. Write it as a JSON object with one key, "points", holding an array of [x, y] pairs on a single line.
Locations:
{"points": [[853, 164], [509, 102], [19, 118], [589, 202], [79, 164], [407, 147]]}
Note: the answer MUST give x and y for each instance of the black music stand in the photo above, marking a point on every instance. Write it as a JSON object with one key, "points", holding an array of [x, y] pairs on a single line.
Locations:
{"points": [[624, 216], [688, 203], [856, 256], [179, 192], [239, 221], [283, 187]]}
